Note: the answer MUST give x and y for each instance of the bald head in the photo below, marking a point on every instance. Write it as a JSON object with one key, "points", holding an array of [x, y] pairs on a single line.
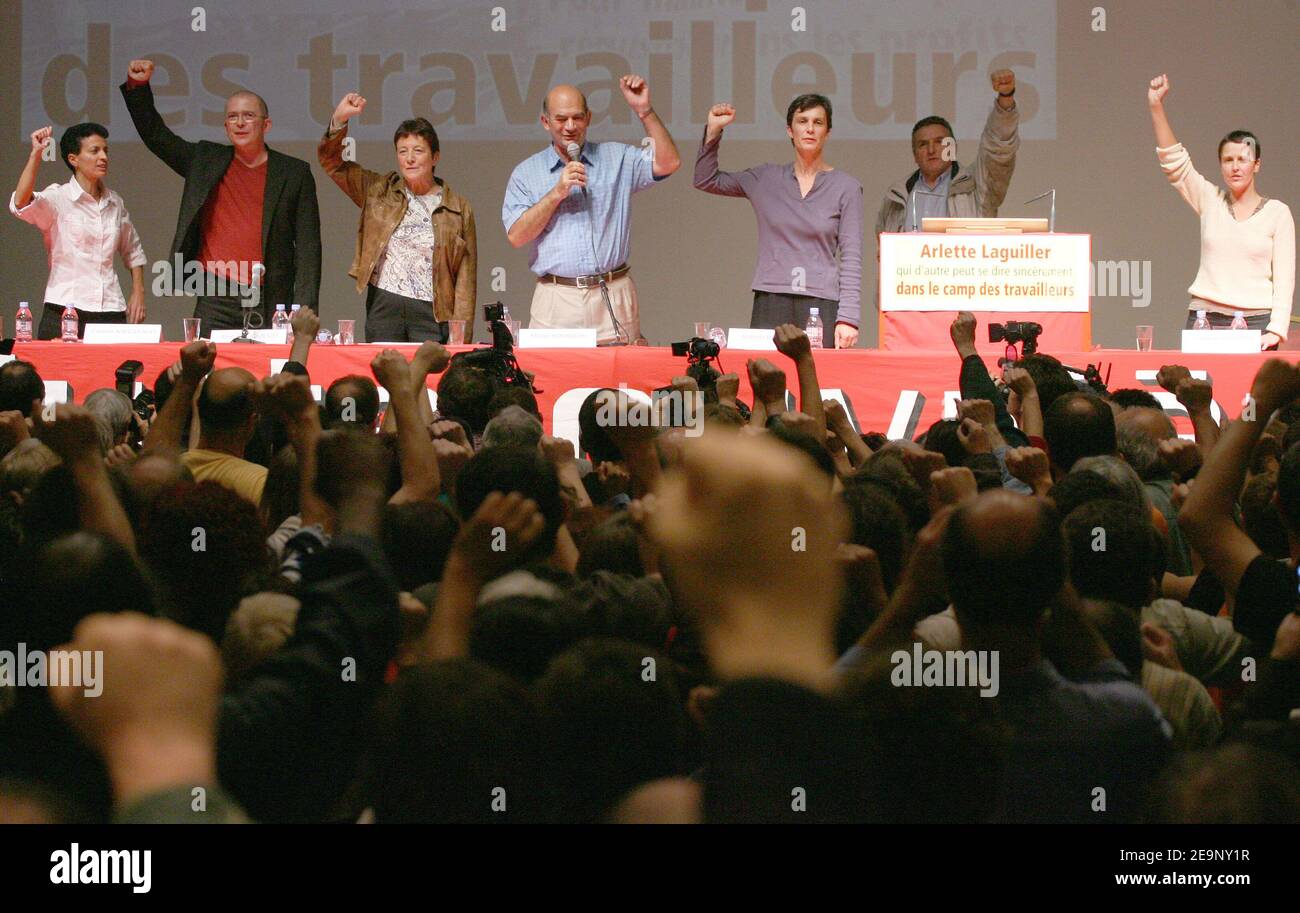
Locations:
{"points": [[246, 94], [1153, 423], [1003, 559], [565, 117], [225, 404], [564, 98], [1078, 425]]}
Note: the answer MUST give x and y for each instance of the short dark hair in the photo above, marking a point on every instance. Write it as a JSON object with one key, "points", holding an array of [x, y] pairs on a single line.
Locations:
{"points": [[803, 442], [464, 392], [990, 583], [1073, 433], [879, 523], [514, 395], [1288, 488], [933, 120], [365, 398], [508, 469], [593, 440], [20, 384], [942, 438], [807, 102], [1241, 136], [200, 589], [1132, 396], [1078, 488], [1050, 377], [417, 126], [1119, 567], [447, 735], [611, 545], [70, 142], [604, 728], [417, 538]]}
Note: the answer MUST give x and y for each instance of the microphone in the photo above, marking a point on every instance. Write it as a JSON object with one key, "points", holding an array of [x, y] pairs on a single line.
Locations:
{"points": [[574, 151]]}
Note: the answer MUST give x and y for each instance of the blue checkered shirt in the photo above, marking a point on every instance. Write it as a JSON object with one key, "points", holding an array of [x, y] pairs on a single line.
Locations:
{"points": [[566, 247]]}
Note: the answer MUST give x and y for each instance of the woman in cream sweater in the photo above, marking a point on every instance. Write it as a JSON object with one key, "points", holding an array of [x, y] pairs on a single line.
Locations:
{"points": [[1247, 240]]}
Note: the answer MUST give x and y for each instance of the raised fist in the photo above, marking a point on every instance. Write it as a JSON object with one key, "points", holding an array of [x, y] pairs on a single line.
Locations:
{"points": [[349, 106], [390, 369], [41, 139], [1019, 380], [139, 70], [720, 116], [432, 357], [1028, 464], [1194, 395], [1169, 376], [305, 323], [1004, 81], [767, 380], [1157, 91], [1180, 456], [197, 359], [636, 92], [962, 329], [791, 341], [728, 387]]}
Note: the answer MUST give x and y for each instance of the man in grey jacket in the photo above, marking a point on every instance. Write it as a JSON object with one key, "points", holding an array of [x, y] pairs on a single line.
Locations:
{"points": [[941, 187]]}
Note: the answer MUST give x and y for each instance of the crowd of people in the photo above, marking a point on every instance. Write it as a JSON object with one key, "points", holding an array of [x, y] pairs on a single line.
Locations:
{"points": [[333, 612]]}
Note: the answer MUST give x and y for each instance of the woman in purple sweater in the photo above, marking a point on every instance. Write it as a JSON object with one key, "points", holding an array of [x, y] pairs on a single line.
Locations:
{"points": [[809, 224]]}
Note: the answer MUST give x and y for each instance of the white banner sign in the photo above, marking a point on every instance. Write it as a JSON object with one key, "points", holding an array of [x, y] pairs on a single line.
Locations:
{"points": [[1004, 273], [479, 71]]}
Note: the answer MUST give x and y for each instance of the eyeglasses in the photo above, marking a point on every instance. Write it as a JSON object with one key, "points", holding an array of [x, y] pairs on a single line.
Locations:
{"points": [[239, 117]]}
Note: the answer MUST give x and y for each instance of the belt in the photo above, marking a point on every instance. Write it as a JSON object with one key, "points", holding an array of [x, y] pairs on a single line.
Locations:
{"points": [[587, 281]]}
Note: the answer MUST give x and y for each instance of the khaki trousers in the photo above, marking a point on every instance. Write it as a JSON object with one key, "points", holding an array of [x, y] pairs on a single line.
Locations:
{"points": [[564, 307]]}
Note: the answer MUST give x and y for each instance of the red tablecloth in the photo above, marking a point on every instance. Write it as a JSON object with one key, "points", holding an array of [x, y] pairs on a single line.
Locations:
{"points": [[893, 392]]}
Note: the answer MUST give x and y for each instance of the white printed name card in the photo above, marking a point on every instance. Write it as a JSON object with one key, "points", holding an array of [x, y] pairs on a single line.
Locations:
{"points": [[274, 337], [750, 338], [569, 338], [1221, 342], [118, 333]]}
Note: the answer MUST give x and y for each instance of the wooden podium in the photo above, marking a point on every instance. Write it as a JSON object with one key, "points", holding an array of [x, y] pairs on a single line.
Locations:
{"points": [[1000, 269]]}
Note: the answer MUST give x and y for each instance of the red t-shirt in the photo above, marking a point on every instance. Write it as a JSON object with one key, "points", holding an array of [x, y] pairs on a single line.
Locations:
{"points": [[231, 220]]}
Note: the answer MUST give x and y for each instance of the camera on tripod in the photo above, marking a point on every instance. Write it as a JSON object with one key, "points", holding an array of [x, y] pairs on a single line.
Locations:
{"points": [[499, 360], [1014, 332]]}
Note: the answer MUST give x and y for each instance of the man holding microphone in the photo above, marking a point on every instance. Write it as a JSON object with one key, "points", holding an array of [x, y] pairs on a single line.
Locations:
{"points": [[572, 203]]}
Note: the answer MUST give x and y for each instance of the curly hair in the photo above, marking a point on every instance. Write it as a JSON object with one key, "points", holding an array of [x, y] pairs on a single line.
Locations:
{"points": [[207, 549]]}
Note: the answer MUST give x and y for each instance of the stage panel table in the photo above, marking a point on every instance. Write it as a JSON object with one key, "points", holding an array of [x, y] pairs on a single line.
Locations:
{"points": [[898, 393]]}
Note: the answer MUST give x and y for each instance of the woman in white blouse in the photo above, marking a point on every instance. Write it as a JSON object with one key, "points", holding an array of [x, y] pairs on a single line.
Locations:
{"points": [[1247, 240], [84, 225]]}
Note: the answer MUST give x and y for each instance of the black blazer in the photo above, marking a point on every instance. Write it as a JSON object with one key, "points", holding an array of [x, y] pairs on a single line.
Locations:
{"points": [[290, 219]]}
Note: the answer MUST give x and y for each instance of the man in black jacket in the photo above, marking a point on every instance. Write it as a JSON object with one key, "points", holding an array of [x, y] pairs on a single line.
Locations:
{"points": [[243, 204]]}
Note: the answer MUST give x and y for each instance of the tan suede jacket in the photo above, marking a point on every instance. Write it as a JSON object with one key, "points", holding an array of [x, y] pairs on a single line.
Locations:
{"points": [[383, 204]]}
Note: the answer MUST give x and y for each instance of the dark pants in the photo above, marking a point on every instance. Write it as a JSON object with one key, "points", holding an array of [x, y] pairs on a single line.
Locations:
{"points": [[396, 318], [226, 312], [51, 325], [771, 309], [1223, 321]]}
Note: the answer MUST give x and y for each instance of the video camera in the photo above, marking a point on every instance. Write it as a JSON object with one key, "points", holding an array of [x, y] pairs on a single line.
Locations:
{"points": [[1015, 331], [498, 360]]}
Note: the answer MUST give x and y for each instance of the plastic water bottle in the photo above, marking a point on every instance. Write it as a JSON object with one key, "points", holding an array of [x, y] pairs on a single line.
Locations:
{"points": [[814, 328], [23, 323], [1201, 322], [69, 324], [1238, 321], [293, 310], [281, 320]]}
